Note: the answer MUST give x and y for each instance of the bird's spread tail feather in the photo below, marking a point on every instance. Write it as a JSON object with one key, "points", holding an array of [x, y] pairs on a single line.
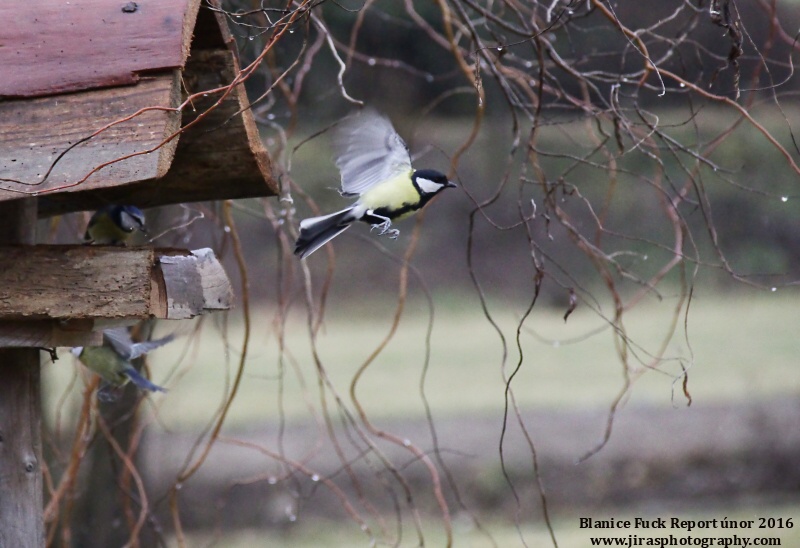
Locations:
{"points": [[317, 231]]}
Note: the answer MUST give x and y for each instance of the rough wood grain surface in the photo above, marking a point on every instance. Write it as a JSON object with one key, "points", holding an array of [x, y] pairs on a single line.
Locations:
{"points": [[21, 519], [37, 131], [222, 157], [60, 295], [48, 334], [46, 146], [224, 149], [184, 274], [46, 45], [74, 282]]}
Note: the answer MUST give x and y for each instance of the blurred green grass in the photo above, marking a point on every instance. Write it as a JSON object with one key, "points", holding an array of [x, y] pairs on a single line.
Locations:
{"points": [[741, 346]]}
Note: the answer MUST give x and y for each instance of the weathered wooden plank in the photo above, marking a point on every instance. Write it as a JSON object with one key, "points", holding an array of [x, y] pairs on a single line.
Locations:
{"points": [[35, 132], [224, 148], [59, 295], [74, 282], [222, 157], [21, 519], [45, 44], [48, 334]]}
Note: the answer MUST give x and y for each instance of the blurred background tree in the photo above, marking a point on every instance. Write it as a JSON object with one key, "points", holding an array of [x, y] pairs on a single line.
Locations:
{"points": [[614, 117]]}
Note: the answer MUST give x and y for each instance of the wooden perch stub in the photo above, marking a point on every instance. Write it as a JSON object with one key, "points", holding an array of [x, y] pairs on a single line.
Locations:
{"points": [[58, 295], [192, 285]]}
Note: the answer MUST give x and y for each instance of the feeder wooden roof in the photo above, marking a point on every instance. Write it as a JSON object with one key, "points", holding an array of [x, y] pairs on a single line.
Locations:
{"points": [[69, 69]]}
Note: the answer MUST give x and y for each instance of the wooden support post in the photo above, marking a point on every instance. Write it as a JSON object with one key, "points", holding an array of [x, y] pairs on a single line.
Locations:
{"points": [[21, 518]]}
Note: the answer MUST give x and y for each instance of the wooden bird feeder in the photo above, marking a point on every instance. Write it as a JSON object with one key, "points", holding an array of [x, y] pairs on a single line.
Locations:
{"points": [[105, 101]]}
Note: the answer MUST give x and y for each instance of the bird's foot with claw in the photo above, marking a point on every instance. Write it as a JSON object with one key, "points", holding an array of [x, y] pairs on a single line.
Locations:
{"points": [[385, 229], [392, 232]]}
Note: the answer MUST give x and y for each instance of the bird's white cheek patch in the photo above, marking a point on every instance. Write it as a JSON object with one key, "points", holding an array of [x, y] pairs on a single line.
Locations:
{"points": [[427, 186]]}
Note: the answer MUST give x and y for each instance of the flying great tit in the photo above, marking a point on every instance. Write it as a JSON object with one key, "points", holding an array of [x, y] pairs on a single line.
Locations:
{"points": [[114, 225], [112, 361], [375, 166]]}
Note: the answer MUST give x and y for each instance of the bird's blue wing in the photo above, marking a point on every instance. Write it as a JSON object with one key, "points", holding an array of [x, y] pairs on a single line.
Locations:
{"points": [[141, 382]]}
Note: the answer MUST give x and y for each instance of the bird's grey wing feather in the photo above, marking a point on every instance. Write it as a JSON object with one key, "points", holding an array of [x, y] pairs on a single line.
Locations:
{"points": [[120, 340], [368, 151], [142, 348]]}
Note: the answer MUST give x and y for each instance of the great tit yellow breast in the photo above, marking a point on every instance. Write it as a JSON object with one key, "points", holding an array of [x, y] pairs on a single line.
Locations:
{"points": [[396, 198]]}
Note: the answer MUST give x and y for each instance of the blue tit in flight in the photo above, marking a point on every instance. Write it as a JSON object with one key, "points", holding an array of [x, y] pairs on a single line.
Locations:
{"points": [[375, 166], [114, 225], [112, 360]]}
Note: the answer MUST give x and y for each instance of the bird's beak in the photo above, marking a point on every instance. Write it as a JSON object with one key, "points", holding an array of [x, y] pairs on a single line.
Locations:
{"points": [[450, 184]]}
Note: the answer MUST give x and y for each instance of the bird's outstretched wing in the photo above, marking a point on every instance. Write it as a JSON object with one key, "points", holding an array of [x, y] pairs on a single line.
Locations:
{"points": [[141, 382], [368, 151], [120, 340]]}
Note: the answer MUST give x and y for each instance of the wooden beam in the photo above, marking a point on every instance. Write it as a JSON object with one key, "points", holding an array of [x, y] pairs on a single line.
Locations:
{"points": [[37, 131], [49, 334], [222, 156], [52, 295], [21, 504], [21, 512], [75, 282], [47, 47], [223, 149]]}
